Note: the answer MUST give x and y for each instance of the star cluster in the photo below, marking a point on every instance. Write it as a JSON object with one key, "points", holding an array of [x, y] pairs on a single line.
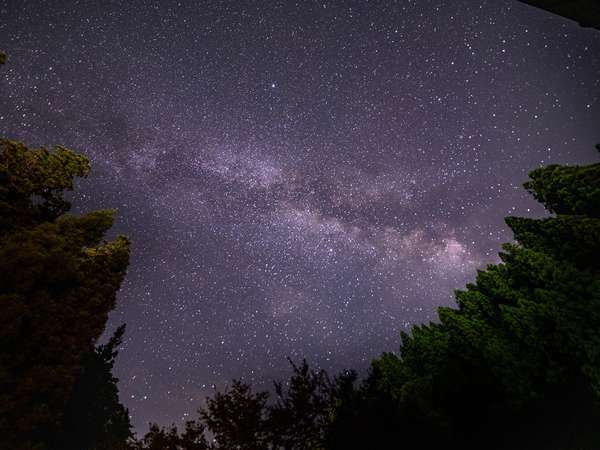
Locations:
{"points": [[302, 179]]}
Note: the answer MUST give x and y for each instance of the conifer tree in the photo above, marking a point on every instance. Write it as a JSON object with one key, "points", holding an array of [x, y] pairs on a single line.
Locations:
{"points": [[517, 363], [59, 280]]}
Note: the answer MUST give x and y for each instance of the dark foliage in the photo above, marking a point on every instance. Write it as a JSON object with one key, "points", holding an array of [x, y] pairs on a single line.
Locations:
{"points": [[59, 283], [239, 418], [517, 364], [567, 190], [94, 417], [303, 410], [585, 12], [192, 438]]}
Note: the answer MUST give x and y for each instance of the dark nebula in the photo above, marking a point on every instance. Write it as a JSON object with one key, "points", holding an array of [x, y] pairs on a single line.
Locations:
{"points": [[298, 179]]}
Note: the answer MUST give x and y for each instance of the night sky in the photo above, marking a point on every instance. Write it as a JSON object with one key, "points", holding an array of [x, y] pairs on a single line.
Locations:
{"points": [[297, 179]]}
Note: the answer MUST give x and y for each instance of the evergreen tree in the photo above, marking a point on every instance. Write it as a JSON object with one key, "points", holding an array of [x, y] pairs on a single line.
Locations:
{"points": [[59, 283], [94, 417], [517, 363]]}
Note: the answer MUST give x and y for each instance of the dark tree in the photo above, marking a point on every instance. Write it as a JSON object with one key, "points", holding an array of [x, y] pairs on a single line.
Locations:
{"points": [[237, 418], [517, 364], [570, 190], [58, 285], [585, 12], [159, 438], [240, 419], [192, 438], [94, 417], [305, 404]]}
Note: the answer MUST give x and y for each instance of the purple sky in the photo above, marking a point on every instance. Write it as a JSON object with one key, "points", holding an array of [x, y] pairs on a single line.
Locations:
{"points": [[298, 179]]}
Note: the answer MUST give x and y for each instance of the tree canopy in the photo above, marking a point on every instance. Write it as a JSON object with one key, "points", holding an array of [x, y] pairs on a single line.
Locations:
{"points": [[585, 12], [61, 280], [519, 358]]}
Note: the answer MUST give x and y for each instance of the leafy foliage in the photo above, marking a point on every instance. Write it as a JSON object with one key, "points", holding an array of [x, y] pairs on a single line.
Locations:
{"points": [[239, 418], [519, 358], [236, 417], [169, 439], [61, 280], [303, 410]]}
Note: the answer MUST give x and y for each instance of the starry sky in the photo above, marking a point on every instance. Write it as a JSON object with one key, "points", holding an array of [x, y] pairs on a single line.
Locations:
{"points": [[302, 179]]}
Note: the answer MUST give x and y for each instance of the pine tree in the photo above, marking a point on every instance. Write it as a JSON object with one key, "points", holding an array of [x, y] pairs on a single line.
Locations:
{"points": [[59, 280], [517, 363]]}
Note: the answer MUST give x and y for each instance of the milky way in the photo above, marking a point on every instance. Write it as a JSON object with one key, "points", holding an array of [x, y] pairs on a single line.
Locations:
{"points": [[298, 179]]}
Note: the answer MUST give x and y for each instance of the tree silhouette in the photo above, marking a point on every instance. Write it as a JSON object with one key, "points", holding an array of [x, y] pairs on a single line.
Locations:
{"points": [[302, 413], [193, 438], [159, 438], [94, 417], [60, 280], [517, 364], [237, 418], [585, 12]]}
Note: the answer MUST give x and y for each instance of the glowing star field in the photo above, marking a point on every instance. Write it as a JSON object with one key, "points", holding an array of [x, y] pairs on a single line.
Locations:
{"points": [[298, 179]]}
